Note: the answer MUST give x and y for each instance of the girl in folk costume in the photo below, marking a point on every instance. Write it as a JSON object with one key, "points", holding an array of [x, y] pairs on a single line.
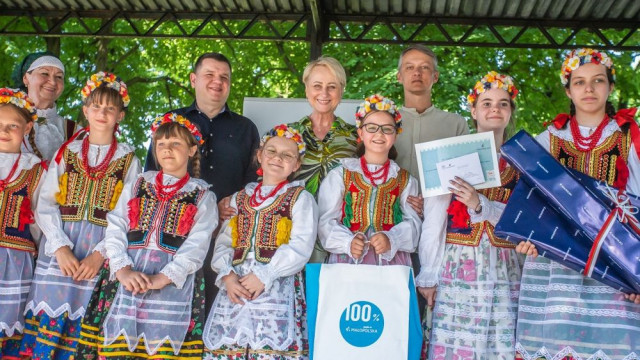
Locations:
{"points": [[562, 314], [20, 175], [476, 274], [150, 303], [81, 187], [364, 213], [260, 311]]}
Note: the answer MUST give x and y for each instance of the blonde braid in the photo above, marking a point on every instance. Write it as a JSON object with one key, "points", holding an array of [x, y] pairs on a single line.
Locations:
{"points": [[32, 142]]}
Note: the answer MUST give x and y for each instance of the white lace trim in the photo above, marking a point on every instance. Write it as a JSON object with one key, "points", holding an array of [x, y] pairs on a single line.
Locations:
{"points": [[566, 309], [222, 273], [10, 330], [241, 340], [426, 278], [151, 351], [54, 313], [101, 249], [569, 288], [482, 292], [565, 133], [177, 278], [503, 338], [534, 265], [53, 244], [118, 263], [544, 353], [353, 164], [511, 315]]}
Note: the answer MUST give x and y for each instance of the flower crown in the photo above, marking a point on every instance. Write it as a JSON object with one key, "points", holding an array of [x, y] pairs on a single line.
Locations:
{"points": [[493, 80], [578, 57], [20, 99], [109, 80], [378, 103], [173, 117], [288, 132]]}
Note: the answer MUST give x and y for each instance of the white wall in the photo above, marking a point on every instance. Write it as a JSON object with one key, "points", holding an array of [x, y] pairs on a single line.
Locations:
{"points": [[267, 113]]}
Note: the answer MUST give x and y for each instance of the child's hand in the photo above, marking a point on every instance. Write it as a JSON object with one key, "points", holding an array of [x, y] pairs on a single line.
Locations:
{"points": [[380, 243], [633, 297], [357, 246], [252, 284], [67, 261], [158, 281], [429, 293], [527, 248], [235, 290], [133, 281], [89, 267], [417, 204], [465, 193], [225, 211]]}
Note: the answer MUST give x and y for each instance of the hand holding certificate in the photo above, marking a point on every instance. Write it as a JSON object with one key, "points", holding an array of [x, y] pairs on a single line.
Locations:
{"points": [[470, 157]]}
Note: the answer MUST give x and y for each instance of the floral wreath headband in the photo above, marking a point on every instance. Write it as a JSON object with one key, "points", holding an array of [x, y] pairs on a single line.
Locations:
{"points": [[288, 132], [378, 102], [20, 99], [181, 120], [109, 80], [579, 57], [493, 80]]}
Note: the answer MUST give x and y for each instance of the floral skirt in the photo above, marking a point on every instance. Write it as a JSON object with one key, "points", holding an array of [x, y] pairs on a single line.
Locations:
{"points": [[91, 344], [564, 315], [16, 272], [48, 337], [476, 303], [10, 346], [255, 330]]}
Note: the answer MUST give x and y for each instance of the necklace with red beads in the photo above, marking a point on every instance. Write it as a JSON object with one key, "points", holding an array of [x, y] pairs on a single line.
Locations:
{"points": [[587, 143], [5, 181], [257, 199], [166, 192], [373, 176], [99, 171]]}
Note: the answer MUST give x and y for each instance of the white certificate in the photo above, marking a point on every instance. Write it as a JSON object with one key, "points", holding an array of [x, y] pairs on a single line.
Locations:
{"points": [[458, 152], [467, 167]]}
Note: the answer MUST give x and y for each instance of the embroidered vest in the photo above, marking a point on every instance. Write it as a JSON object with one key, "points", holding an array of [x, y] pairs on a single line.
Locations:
{"points": [[360, 211], [600, 162], [472, 235], [171, 219], [93, 197], [16, 211], [271, 225]]}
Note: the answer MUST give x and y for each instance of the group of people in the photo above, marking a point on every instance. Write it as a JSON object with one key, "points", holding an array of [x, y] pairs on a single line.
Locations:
{"points": [[202, 254]]}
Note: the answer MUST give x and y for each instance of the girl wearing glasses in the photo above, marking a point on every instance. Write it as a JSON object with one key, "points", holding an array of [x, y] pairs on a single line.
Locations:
{"points": [[259, 255], [477, 274], [364, 214]]}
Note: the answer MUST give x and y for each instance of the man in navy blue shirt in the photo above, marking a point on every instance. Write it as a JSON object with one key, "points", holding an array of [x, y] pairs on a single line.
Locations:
{"points": [[230, 141]]}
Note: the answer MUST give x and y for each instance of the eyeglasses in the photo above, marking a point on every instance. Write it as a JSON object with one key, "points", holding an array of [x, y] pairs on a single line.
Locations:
{"points": [[373, 128], [285, 156]]}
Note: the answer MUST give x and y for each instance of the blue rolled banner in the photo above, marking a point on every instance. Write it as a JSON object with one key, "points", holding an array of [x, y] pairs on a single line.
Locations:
{"points": [[588, 226]]}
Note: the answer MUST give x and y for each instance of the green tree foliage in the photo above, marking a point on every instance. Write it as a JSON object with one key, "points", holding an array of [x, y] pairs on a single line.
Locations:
{"points": [[157, 73]]}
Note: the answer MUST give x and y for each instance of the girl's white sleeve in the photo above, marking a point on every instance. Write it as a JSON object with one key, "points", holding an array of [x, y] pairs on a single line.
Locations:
{"points": [[47, 214], [491, 211], [433, 239], [190, 255], [222, 259], [115, 237], [290, 258], [334, 236], [404, 235]]}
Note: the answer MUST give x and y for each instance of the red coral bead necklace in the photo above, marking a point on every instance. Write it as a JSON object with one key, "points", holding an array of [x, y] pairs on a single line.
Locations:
{"points": [[5, 181], [380, 174], [98, 171], [587, 143], [257, 199], [166, 192]]}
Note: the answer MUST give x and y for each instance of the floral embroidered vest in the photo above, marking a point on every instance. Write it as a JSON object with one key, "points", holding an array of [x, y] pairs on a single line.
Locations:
{"points": [[16, 212], [471, 234], [171, 219], [360, 211], [79, 194], [600, 162], [271, 226]]}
